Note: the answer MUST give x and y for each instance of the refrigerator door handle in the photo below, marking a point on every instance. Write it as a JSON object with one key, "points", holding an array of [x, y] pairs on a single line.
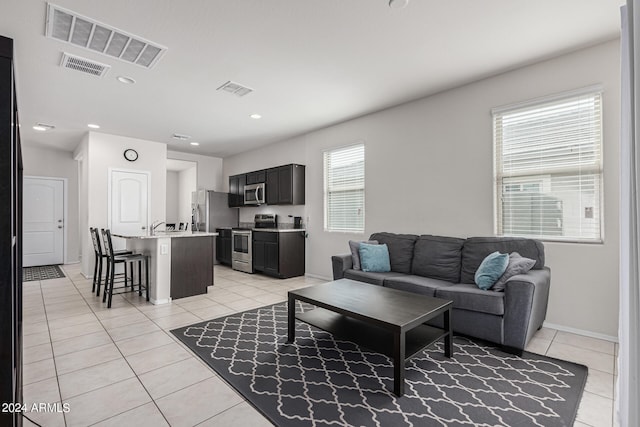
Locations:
{"points": [[197, 216]]}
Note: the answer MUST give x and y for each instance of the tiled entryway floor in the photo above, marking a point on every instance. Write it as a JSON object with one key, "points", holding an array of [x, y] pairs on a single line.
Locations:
{"points": [[121, 366]]}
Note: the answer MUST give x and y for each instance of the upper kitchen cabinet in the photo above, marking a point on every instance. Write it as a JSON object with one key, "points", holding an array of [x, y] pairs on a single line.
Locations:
{"points": [[257, 177], [236, 190], [285, 185]]}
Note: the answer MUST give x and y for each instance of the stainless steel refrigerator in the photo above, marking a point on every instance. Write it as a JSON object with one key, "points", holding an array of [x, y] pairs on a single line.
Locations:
{"points": [[210, 210]]}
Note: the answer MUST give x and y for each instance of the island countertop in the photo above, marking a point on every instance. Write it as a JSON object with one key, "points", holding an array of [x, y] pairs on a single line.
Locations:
{"points": [[168, 234]]}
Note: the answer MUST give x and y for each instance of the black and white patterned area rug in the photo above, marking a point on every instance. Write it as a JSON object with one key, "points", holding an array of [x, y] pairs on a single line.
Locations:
{"points": [[321, 381], [44, 272]]}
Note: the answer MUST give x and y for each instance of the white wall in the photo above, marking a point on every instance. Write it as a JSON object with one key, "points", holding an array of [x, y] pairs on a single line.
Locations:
{"points": [[103, 151], [46, 162], [81, 155], [209, 170], [173, 198], [187, 184], [429, 169]]}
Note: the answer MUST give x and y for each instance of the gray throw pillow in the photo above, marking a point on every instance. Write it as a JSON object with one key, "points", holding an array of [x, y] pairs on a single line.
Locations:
{"points": [[355, 251], [517, 265]]}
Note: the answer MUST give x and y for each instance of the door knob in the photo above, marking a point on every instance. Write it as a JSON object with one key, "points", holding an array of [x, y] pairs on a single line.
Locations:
{"points": [[59, 226], [144, 228], [59, 220]]}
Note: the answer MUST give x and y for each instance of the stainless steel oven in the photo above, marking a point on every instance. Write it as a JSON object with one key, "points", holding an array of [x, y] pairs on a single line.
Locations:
{"points": [[254, 194], [242, 250]]}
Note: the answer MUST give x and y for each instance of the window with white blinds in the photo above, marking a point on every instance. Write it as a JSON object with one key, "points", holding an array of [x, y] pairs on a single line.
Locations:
{"points": [[548, 168], [344, 189]]}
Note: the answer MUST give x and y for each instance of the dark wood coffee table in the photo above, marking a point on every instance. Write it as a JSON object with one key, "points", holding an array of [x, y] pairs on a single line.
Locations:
{"points": [[384, 320]]}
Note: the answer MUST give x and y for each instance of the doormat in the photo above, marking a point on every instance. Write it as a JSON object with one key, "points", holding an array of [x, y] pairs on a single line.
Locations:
{"points": [[322, 381], [43, 272]]}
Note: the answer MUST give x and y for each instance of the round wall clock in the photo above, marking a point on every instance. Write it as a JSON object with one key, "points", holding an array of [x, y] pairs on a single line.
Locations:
{"points": [[131, 155]]}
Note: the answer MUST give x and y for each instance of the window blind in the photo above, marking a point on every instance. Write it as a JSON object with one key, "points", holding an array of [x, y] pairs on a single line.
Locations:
{"points": [[548, 169], [344, 189]]}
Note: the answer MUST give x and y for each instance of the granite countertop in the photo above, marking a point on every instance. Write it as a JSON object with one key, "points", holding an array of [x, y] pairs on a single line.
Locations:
{"points": [[279, 230], [168, 234]]}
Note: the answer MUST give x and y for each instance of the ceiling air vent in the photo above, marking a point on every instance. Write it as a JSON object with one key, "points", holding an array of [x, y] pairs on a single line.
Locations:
{"points": [[180, 137], [235, 88], [72, 28], [83, 65]]}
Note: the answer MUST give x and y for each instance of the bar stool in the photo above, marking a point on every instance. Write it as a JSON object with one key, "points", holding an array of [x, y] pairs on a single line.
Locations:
{"points": [[130, 259], [99, 256]]}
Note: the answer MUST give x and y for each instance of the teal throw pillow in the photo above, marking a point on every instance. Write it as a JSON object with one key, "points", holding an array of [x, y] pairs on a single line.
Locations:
{"points": [[491, 269], [374, 258]]}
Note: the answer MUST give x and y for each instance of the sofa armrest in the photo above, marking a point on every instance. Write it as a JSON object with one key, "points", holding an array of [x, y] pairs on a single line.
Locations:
{"points": [[341, 263], [526, 298]]}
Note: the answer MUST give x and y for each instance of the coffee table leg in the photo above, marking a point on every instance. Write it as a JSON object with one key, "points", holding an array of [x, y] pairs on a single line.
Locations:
{"points": [[398, 363], [291, 317], [448, 339]]}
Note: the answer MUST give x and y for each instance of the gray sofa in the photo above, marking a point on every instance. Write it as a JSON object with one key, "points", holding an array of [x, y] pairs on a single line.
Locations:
{"points": [[444, 267]]}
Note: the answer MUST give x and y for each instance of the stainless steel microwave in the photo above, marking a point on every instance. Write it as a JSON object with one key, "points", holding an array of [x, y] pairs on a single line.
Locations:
{"points": [[254, 194]]}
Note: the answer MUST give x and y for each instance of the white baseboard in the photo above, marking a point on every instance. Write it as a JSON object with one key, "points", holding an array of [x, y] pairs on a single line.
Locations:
{"points": [[317, 276], [581, 332]]}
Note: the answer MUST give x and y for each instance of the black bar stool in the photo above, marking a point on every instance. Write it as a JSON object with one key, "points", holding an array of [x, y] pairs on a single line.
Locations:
{"points": [[99, 255], [130, 259]]}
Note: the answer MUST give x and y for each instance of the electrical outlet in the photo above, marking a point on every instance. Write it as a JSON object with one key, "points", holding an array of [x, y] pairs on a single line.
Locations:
{"points": [[164, 249]]}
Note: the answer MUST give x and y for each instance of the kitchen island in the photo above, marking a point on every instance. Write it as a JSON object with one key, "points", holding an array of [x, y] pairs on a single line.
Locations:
{"points": [[181, 263]]}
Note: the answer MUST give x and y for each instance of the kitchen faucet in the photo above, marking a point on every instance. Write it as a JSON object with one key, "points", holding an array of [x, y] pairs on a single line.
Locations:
{"points": [[154, 226]]}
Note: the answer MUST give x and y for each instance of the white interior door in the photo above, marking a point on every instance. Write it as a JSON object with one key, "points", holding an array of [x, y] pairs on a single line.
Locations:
{"points": [[129, 204], [43, 221]]}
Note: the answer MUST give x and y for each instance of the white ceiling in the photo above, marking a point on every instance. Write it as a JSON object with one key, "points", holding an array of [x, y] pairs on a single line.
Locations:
{"points": [[311, 63]]}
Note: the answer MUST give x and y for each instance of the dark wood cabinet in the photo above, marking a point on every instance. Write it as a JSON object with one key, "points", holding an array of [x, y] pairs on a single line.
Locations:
{"points": [[11, 241], [191, 266], [258, 252], [279, 254], [223, 246], [285, 185], [236, 190], [257, 177]]}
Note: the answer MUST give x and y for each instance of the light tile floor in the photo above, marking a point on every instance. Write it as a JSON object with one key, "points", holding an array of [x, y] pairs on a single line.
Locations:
{"points": [[121, 366]]}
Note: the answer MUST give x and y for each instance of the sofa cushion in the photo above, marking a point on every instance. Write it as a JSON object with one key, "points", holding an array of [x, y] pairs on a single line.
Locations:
{"points": [[369, 277], [491, 269], [469, 297], [437, 257], [517, 265], [400, 249], [374, 258], [355, 251], [476, 249], [416, 284]]}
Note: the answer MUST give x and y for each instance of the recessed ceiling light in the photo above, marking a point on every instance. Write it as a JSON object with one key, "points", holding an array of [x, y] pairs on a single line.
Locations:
{"points": [[398, 4], [92, 126], [126, 80], [256, 116], [42, 127], [194, 143]]}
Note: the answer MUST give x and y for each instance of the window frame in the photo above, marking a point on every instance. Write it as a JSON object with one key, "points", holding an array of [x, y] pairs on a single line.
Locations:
{"points": [[325, 180], [595, 90]]}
